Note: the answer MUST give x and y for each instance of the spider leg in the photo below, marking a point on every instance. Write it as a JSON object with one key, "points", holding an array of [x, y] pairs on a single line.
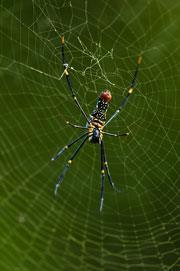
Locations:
{"points": [[102, 178], [67, 165], [130, 91], [107, 169], [67, 147], [69, 83], [117, 134], [75, 126]]}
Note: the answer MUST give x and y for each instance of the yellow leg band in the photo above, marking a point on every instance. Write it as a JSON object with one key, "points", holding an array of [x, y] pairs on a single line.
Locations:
{"points": [[130, 90], [62, 39], [66, 72], [139, 60]]}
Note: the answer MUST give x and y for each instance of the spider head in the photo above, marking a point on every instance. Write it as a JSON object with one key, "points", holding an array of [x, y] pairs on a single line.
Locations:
{"points": [[106, 96]]}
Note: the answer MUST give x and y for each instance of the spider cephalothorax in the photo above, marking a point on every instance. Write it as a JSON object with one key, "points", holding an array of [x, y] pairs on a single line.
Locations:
{"points": [[95, 131], [94, 127]]}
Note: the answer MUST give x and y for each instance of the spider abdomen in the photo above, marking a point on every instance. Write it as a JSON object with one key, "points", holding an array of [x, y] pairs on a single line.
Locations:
{"points": [[100, 110]]}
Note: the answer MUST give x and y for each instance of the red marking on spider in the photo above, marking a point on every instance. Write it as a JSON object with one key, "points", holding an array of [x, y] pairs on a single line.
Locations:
{"points": [[106, 96]]}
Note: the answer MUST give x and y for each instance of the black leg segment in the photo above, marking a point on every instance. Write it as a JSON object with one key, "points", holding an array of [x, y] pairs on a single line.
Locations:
{"points": [[102, 178], [107, 170], [66, 167], [130, 91], [67, 147], [69, 83]]}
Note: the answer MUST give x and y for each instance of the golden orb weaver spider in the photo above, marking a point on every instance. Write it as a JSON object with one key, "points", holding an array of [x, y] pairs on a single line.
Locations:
{"points": [[95, 126]]}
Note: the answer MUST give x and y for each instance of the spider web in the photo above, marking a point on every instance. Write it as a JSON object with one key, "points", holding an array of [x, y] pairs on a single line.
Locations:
{"points": [[139, 227]]}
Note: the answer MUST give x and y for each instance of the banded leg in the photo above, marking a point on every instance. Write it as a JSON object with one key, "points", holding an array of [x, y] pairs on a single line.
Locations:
{"points": [[67, 147], [69, 83], [130, 91], [66, 167], [117, 134], [107, 170], [102, 178], [75, 126]]}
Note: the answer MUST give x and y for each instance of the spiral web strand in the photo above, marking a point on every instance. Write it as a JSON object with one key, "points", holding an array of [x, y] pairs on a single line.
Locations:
{"points": [[139, 227]]}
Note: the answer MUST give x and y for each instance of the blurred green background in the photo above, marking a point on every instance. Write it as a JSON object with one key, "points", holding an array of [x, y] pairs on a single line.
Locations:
{"points": [[139, 227]]}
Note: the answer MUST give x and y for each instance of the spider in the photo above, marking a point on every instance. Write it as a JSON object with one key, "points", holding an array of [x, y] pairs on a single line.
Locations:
{"points": [[94, 127]]}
